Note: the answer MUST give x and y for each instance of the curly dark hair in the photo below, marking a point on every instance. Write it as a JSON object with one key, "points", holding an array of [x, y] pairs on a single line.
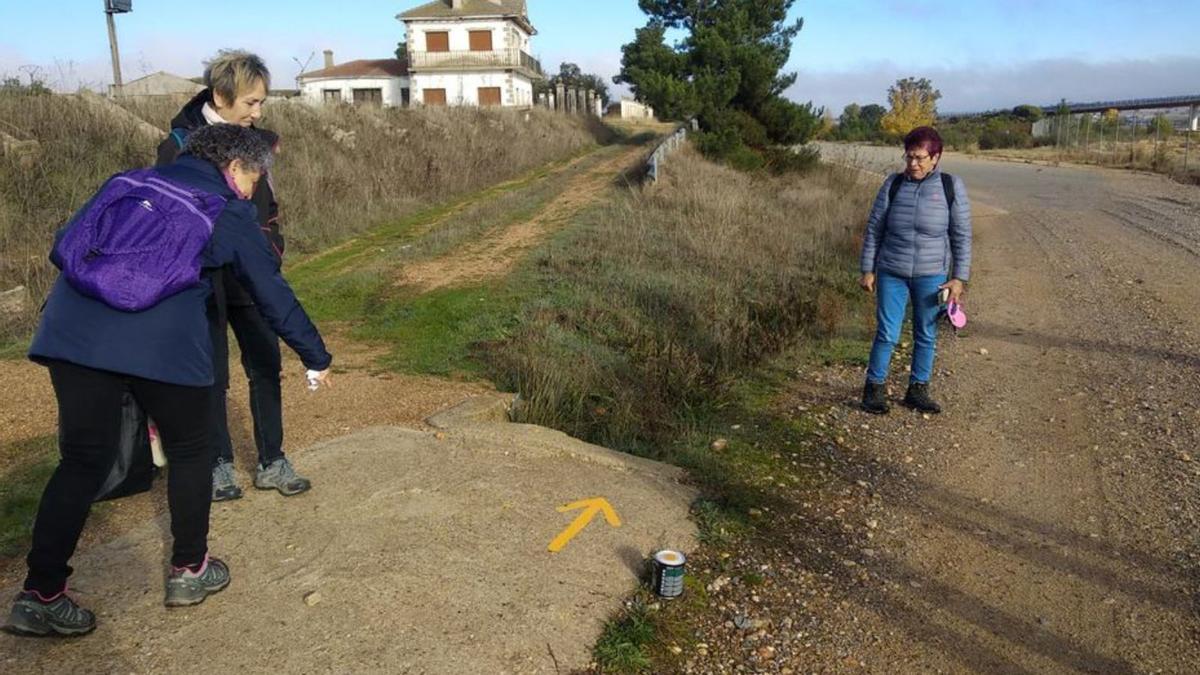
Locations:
{"points": [[223, 143]]}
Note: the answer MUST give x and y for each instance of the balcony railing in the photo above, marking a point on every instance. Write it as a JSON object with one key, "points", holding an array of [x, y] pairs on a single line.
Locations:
{"points": [[514, 59]]}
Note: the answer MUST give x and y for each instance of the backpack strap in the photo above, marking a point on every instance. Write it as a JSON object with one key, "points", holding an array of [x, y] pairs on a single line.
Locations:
{"points": [[948, 188], [893, 190], [180, 136]]}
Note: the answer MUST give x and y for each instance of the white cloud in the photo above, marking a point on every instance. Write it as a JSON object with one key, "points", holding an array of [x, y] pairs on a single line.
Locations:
{"points": [[987, 87]]}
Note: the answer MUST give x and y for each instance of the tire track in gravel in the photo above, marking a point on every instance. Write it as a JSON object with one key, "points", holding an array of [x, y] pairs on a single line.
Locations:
{"points": [[1051, 517]]}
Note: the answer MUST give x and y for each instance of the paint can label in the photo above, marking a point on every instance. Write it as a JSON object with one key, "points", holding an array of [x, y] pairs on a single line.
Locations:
{"points": [[668, 573]]}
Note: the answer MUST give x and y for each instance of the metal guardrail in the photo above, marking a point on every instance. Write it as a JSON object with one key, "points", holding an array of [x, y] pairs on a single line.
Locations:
{"points": [[669, 145], [459, 59]]}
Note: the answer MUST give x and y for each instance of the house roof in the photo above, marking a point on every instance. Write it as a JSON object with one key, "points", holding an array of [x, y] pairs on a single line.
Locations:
{"points": [[361, 68], [442, 9], [162, 74]]}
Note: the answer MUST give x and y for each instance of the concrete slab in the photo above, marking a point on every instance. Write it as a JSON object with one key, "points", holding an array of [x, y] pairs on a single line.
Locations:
{"points": [[416, 552]]}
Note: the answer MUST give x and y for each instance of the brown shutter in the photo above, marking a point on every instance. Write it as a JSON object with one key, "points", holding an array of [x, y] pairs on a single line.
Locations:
{"points": [[489, 96], [435, 97], [481, 40], [437, 41]]}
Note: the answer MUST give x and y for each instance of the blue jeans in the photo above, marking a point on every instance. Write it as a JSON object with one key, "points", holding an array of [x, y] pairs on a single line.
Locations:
{"points": [[893, 293]]}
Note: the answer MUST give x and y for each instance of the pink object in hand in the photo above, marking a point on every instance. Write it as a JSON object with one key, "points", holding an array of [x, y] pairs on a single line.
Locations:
{"points": [[958, 318]]}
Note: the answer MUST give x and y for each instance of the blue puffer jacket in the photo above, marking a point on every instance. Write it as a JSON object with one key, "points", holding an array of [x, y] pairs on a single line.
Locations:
{"points": [[170, 342], [921, 236]]}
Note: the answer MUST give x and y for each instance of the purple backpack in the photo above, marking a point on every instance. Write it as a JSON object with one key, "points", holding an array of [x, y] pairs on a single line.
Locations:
{"points": [[139, 240]]}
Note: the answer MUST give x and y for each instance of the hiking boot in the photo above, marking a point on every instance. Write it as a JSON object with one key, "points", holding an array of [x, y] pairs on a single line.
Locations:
{"points": [[874, 399], [225, 485], [186, 588], [918, 397], [279, 475], [33, 616]]}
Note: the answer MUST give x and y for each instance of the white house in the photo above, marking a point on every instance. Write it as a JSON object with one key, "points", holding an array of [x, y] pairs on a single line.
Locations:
{"points": [[377, 82], [471, 52], [628, 109]]}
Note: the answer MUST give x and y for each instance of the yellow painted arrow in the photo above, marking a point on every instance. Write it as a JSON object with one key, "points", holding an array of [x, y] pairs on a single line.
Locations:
{"points": [[590, 508]]}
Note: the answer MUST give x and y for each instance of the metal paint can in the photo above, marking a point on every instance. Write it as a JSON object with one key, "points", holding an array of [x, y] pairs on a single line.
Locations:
{"points": [[668, 573]]}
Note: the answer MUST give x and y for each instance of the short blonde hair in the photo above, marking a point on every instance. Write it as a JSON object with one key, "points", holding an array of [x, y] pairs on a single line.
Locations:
{"points": [[235, 71]]}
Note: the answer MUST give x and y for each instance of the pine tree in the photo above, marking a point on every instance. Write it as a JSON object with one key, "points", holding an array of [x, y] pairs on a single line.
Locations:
{"points": [[726, 71]]}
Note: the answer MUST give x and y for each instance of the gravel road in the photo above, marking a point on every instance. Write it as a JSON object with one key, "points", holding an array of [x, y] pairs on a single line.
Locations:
{"points": [[1047, 522]]}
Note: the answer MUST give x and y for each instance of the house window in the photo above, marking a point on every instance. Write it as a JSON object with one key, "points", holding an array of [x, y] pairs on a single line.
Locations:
{"points": [[371, 97], [405, 97], [489, 96], [438, 41], [435, 97], [331, 95], [481, 40]]}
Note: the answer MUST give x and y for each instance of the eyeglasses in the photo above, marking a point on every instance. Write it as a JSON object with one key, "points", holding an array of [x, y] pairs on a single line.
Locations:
{"points": [[919, 159]]}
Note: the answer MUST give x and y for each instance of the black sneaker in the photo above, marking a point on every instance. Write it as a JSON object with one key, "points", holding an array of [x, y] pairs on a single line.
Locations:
{"points": [[186, 588], [874, 399], [32, 616], [918, 397]]}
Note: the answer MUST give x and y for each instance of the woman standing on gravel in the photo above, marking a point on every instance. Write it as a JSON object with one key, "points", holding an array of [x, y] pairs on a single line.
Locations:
{"points": [[917, 243]]}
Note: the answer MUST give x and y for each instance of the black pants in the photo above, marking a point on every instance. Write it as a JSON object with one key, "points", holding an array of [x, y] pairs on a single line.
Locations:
{"points": [[262, 362], [89, 429]]}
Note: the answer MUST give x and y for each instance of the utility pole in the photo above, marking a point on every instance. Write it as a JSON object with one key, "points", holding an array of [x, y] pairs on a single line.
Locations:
{"points": [[112, 7]]}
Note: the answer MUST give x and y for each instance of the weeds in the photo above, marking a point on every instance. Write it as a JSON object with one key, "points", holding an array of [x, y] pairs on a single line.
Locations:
{"points": [[652, 305], [342, 170], [624, 645], [21, 490]]}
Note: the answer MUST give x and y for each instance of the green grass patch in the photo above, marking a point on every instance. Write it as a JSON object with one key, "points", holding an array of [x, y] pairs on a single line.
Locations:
{"points": [[439, 332], [625, 644], [21, 489], [13, 349]]}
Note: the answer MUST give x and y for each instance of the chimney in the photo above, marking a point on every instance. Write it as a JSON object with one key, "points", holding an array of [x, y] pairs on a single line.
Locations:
{"points": [[328, 58]]}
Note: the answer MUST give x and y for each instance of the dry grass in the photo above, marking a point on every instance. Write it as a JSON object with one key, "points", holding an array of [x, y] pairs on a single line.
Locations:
{"points": [[654, 304], [1167, 156], [341, 171]]}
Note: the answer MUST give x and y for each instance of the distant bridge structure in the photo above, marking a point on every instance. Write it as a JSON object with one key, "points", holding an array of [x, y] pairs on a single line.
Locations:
{"points": [[1192, 103], [1159, 103]]}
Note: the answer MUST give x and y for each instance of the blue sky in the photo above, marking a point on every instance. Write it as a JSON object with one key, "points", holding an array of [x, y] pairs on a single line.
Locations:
{"points": [[979, 53]]}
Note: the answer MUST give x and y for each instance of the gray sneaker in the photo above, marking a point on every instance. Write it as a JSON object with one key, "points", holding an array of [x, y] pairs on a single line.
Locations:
{"points": [[186, 588], [31, 616], [224, 486], [279, 475]]}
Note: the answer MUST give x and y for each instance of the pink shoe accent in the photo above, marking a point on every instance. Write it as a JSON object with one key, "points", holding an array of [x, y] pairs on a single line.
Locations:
{"points": [[186, 570], [44, 599]]}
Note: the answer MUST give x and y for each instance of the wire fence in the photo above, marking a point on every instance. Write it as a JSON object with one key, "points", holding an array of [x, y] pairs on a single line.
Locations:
{"points": [[1146, 143]]}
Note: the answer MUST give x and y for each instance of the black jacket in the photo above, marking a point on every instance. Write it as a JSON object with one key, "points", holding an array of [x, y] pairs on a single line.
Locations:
{"points": [[191, 118]]}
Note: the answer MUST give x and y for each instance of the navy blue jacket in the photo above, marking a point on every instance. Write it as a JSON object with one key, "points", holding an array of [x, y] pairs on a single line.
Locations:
{"points": [[170, 342]]}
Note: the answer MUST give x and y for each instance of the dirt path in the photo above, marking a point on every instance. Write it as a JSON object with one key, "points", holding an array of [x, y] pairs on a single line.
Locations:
{"points": [[363, 395], [494, 255], [1048, 521]]}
